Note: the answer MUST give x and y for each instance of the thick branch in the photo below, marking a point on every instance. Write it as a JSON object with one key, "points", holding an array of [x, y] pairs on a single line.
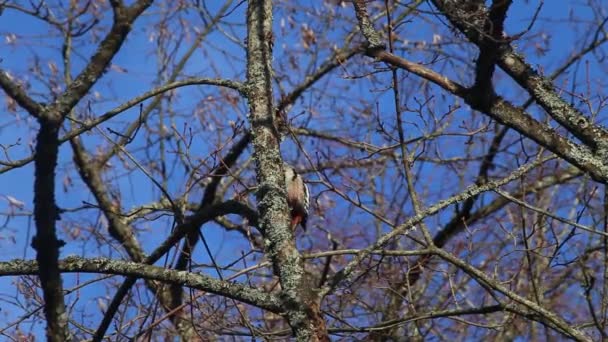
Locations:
{"points": [[512, 116], [541, 88], [14, 91], [190, 224], [123, 22], [488, 46], [373, 38], [210, 198], [504, 112], [90, 174], [201, 282]]}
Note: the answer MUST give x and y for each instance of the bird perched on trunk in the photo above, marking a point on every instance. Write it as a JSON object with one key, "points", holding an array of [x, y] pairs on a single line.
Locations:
{"points": [[297, 197]]}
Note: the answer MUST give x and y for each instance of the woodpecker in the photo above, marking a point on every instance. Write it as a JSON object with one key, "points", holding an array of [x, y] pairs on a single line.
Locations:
{"points": [[297, 197]]}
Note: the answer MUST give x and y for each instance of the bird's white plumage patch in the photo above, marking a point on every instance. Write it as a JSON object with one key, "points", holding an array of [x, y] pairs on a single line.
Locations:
{"points": [[306, 196]]}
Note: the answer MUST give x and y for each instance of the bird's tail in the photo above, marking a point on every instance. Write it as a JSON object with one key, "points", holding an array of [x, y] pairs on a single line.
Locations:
{"points": [[295, 221]]}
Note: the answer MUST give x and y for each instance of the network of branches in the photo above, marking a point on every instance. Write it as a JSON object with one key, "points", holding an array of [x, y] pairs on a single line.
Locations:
{"points": [[454, 150]]}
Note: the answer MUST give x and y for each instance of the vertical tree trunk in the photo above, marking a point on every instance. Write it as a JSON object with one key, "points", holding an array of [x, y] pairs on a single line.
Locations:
{"points": [[45, 241], [303, 309]]}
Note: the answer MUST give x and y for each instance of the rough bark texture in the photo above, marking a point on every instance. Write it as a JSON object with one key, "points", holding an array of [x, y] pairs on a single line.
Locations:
{"points": [[239, 292], [45, 241], [541, 88], [303, 311]]}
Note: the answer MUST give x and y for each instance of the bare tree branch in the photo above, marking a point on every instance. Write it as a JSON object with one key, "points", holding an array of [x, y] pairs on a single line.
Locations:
{"points": [[200, 282]]}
